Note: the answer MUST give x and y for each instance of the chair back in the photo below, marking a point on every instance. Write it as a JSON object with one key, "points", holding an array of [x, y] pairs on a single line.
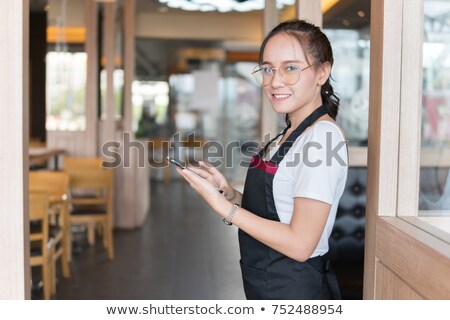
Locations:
{"points": [[84, 181], [71, 163], [92, 178], [92, 209], [55, 183], [38, 213]]}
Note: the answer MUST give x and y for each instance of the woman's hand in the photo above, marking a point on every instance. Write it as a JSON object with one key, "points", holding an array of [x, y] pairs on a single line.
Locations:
{"points": [[206, 189], [214, 176]]}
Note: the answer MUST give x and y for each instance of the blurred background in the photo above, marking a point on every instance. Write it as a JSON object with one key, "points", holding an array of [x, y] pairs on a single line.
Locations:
{"points": [[100, 68]]}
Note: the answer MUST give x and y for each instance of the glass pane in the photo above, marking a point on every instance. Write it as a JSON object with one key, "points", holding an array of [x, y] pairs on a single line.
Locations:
{"points": [[118, 73], [66, 87], [66, 64], [348, 29], [150, 106], [350, 79], [434, 194], [242, 117]]}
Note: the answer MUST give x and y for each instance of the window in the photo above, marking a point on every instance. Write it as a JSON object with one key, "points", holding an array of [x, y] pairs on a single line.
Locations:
{"points": [[350, 80], [434, 192], [66, 91]]}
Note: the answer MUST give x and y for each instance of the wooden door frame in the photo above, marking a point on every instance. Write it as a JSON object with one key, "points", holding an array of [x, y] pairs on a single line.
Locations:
{"points": [[14, 244], [401, 260]]}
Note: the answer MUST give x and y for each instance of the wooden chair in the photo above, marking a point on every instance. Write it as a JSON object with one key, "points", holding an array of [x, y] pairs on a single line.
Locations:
{"points": [[39, 239], [94, 207], [75, 163], [56, 185], [82, 162]]}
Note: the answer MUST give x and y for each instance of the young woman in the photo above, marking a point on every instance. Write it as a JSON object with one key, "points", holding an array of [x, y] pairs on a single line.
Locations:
{"points": [[287, 210]]}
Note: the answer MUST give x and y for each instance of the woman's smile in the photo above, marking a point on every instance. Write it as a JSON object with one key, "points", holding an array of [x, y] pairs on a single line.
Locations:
{"points": [[280, 96]]}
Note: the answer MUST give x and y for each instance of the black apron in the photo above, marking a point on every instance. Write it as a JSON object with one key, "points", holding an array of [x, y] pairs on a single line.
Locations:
{"points": [[266, 273]]}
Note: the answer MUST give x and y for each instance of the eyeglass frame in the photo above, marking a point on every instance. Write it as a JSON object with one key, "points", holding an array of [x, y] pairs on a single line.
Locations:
{"points": [[281, 77]]}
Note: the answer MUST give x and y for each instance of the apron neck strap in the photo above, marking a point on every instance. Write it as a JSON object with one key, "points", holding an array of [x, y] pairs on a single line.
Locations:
{"points": [[263, 150], [287, 144]]}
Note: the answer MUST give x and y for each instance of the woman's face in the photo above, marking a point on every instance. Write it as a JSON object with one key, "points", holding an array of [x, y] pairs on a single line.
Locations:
{"points": [[300, 97]]}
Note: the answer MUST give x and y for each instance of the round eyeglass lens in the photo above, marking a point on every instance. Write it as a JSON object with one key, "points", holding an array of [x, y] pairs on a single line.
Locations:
{"points": [[258, 74]]}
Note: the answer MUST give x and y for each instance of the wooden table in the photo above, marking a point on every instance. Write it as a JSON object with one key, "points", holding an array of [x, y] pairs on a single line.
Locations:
{"points": [[38, 156]]}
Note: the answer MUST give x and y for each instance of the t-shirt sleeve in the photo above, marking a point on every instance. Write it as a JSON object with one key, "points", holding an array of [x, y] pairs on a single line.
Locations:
{"points": [[323, 163]]}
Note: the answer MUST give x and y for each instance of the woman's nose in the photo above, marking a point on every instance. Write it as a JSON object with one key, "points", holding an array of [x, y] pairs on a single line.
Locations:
{"points": [[277, 79]]}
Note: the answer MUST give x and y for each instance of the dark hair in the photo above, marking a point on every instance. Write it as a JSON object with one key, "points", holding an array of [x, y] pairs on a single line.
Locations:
{"points": [[314, 42]]}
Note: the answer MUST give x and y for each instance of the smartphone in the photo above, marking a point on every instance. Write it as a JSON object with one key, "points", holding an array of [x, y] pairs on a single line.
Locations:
{"points": [[179, 165], [175, 162]]}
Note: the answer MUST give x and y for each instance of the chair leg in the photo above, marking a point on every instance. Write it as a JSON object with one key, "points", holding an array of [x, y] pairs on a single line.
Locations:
{"points": [[109, 233], [67, 243], [47, 275], [91, 233], [99, 228], [67, 234], [105, 235], [65, 264]]}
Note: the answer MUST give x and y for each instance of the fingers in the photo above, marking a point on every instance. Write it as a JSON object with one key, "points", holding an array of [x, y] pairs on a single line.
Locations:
{"points": [[209, 167], [197, 183], [202, 173], [188, 176], [204, 164]]}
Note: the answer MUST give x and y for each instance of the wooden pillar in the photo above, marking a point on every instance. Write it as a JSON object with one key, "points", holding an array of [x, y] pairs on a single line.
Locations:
{"points": [[310, 10], [109, 124], [91, 47], [14, 244], [132, 183], [129, 63], [269, 118]]}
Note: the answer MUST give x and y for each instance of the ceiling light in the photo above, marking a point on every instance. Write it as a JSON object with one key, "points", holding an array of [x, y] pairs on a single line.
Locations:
{"points": [[361, 13], [176, 4], [207, 7], [189, 6], [222, 5]]}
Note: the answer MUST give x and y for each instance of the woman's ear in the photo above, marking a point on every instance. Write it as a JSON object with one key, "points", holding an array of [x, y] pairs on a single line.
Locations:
{"points": [[323, 73]]}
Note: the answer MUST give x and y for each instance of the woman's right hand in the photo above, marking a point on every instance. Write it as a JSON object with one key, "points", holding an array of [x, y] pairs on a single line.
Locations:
{"points": [[214, 176]]}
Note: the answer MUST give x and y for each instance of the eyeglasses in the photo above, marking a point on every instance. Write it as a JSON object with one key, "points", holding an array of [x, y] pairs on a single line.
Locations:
{"points": [[289, 73]]}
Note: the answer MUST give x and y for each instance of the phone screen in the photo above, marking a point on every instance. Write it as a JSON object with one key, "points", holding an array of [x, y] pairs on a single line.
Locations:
{"points": [[175, 162]]}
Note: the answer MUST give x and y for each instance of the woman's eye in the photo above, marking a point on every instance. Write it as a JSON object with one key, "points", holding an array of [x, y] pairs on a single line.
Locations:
{"points": [[291, 68], [267, 70]]}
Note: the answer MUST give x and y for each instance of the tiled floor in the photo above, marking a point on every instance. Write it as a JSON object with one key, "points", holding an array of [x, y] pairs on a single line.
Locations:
{"points": [[183, 251]]}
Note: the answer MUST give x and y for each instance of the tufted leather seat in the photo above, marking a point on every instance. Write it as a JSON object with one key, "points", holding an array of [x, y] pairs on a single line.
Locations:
{"points": [[347, 238], [434, 189]]}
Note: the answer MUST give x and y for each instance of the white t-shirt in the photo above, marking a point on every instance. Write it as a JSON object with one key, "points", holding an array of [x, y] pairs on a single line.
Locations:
{"points": [[311, 169]]}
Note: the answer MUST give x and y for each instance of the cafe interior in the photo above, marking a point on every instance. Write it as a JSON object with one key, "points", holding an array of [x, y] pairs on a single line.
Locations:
{"points": [[116, 86]]}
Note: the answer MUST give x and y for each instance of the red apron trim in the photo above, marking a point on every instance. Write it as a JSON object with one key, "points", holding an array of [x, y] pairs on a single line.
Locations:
{"points": [[266, 166]]}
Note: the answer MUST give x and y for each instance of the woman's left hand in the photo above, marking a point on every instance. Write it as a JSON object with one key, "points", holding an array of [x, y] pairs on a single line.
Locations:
{"points": [[206, 190]]}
